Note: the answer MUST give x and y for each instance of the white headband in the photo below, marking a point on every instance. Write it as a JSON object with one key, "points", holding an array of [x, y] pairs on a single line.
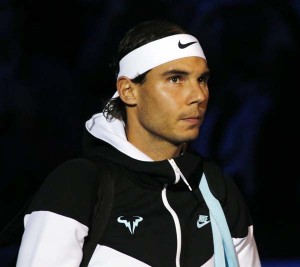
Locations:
{"points": [[159, 52]]}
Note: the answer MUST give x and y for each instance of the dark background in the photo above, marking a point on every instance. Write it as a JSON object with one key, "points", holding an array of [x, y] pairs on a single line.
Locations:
{"points": [[55, 71]]}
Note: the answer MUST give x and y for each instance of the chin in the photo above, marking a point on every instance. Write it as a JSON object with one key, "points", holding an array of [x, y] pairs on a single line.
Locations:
{"points": [[184, 136], [187, 138], [192, 136]]}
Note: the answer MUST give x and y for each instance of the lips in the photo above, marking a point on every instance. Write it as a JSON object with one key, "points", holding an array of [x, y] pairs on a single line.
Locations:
{"points": [[191, 116], [192, 119]]}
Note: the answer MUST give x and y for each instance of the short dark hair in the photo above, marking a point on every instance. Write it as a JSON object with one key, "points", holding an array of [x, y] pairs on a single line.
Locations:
{"points": [[137, 36]]}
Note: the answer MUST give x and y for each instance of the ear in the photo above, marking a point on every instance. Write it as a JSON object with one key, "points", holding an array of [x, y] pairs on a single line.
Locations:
{"points": [[126, 90]]}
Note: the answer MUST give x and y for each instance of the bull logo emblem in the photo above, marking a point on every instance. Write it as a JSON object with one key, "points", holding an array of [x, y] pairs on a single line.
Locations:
{"points": [[131, 224]]}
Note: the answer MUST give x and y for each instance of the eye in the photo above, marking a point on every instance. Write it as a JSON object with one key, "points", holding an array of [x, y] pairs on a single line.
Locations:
{"points": [[174, 79], [203, 79]]}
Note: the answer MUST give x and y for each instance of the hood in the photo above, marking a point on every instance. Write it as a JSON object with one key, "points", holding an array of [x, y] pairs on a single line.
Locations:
{"points": [[107, 139], [113, 132]]}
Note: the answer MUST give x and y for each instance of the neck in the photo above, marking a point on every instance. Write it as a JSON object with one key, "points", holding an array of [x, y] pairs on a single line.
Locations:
{"points": [[155, 148]]}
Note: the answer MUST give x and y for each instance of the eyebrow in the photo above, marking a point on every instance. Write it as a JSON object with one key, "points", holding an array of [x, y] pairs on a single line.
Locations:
{"points": [[183, 73], [205, 74]]}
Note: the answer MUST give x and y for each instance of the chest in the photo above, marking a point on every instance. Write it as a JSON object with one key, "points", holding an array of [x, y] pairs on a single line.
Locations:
{"points": [[155, 225]]}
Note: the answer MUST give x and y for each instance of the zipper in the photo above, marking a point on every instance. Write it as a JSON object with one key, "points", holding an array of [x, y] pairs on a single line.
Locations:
{"points": [[176, 222], [178, 175]]}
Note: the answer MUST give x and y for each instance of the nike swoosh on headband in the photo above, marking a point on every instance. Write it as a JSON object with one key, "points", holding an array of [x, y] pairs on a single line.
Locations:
{"points": [[182, 46]]}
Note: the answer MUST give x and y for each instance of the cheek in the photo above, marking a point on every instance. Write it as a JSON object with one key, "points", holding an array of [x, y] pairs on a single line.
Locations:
{"points": [[165, 107], [169, 99], [155, 113], [159, 100], [152, 97]]}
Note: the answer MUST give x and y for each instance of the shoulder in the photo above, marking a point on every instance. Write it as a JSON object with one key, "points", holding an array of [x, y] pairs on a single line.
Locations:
{"points": [[76, 166], [215, 178], [221, 184], [69, 190], [74, 173], [225, 189]]}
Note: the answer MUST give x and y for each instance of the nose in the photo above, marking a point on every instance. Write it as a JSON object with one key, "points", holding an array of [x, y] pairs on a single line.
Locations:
{"points": [[198, 92]]}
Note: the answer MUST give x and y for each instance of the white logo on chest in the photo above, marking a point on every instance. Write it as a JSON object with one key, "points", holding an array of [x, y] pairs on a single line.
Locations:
{"points": [[131, 224]]}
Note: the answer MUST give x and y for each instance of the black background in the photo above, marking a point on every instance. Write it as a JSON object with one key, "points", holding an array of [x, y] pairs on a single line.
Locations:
{"points": [[55, 71]]}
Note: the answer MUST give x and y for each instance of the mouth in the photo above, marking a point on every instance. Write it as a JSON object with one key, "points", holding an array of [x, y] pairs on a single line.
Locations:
{"points": [[192, 119]]}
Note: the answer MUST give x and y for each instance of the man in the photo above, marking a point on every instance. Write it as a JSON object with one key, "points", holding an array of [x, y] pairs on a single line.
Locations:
{"points": [[159, 215]]}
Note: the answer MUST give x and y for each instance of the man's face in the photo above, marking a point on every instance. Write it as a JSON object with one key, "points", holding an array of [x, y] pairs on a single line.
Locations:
{"points": [[172, 101]]}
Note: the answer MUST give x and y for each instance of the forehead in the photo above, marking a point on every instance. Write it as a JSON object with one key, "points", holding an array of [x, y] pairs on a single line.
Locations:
{"points": [[193, 64]]}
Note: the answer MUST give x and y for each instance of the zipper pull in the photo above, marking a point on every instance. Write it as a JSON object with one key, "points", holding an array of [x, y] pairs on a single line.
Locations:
{"points": [[178, 173]]}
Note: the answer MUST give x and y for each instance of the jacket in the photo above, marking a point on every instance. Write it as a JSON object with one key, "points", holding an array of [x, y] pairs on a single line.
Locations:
{"points": [[158, 217]]}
